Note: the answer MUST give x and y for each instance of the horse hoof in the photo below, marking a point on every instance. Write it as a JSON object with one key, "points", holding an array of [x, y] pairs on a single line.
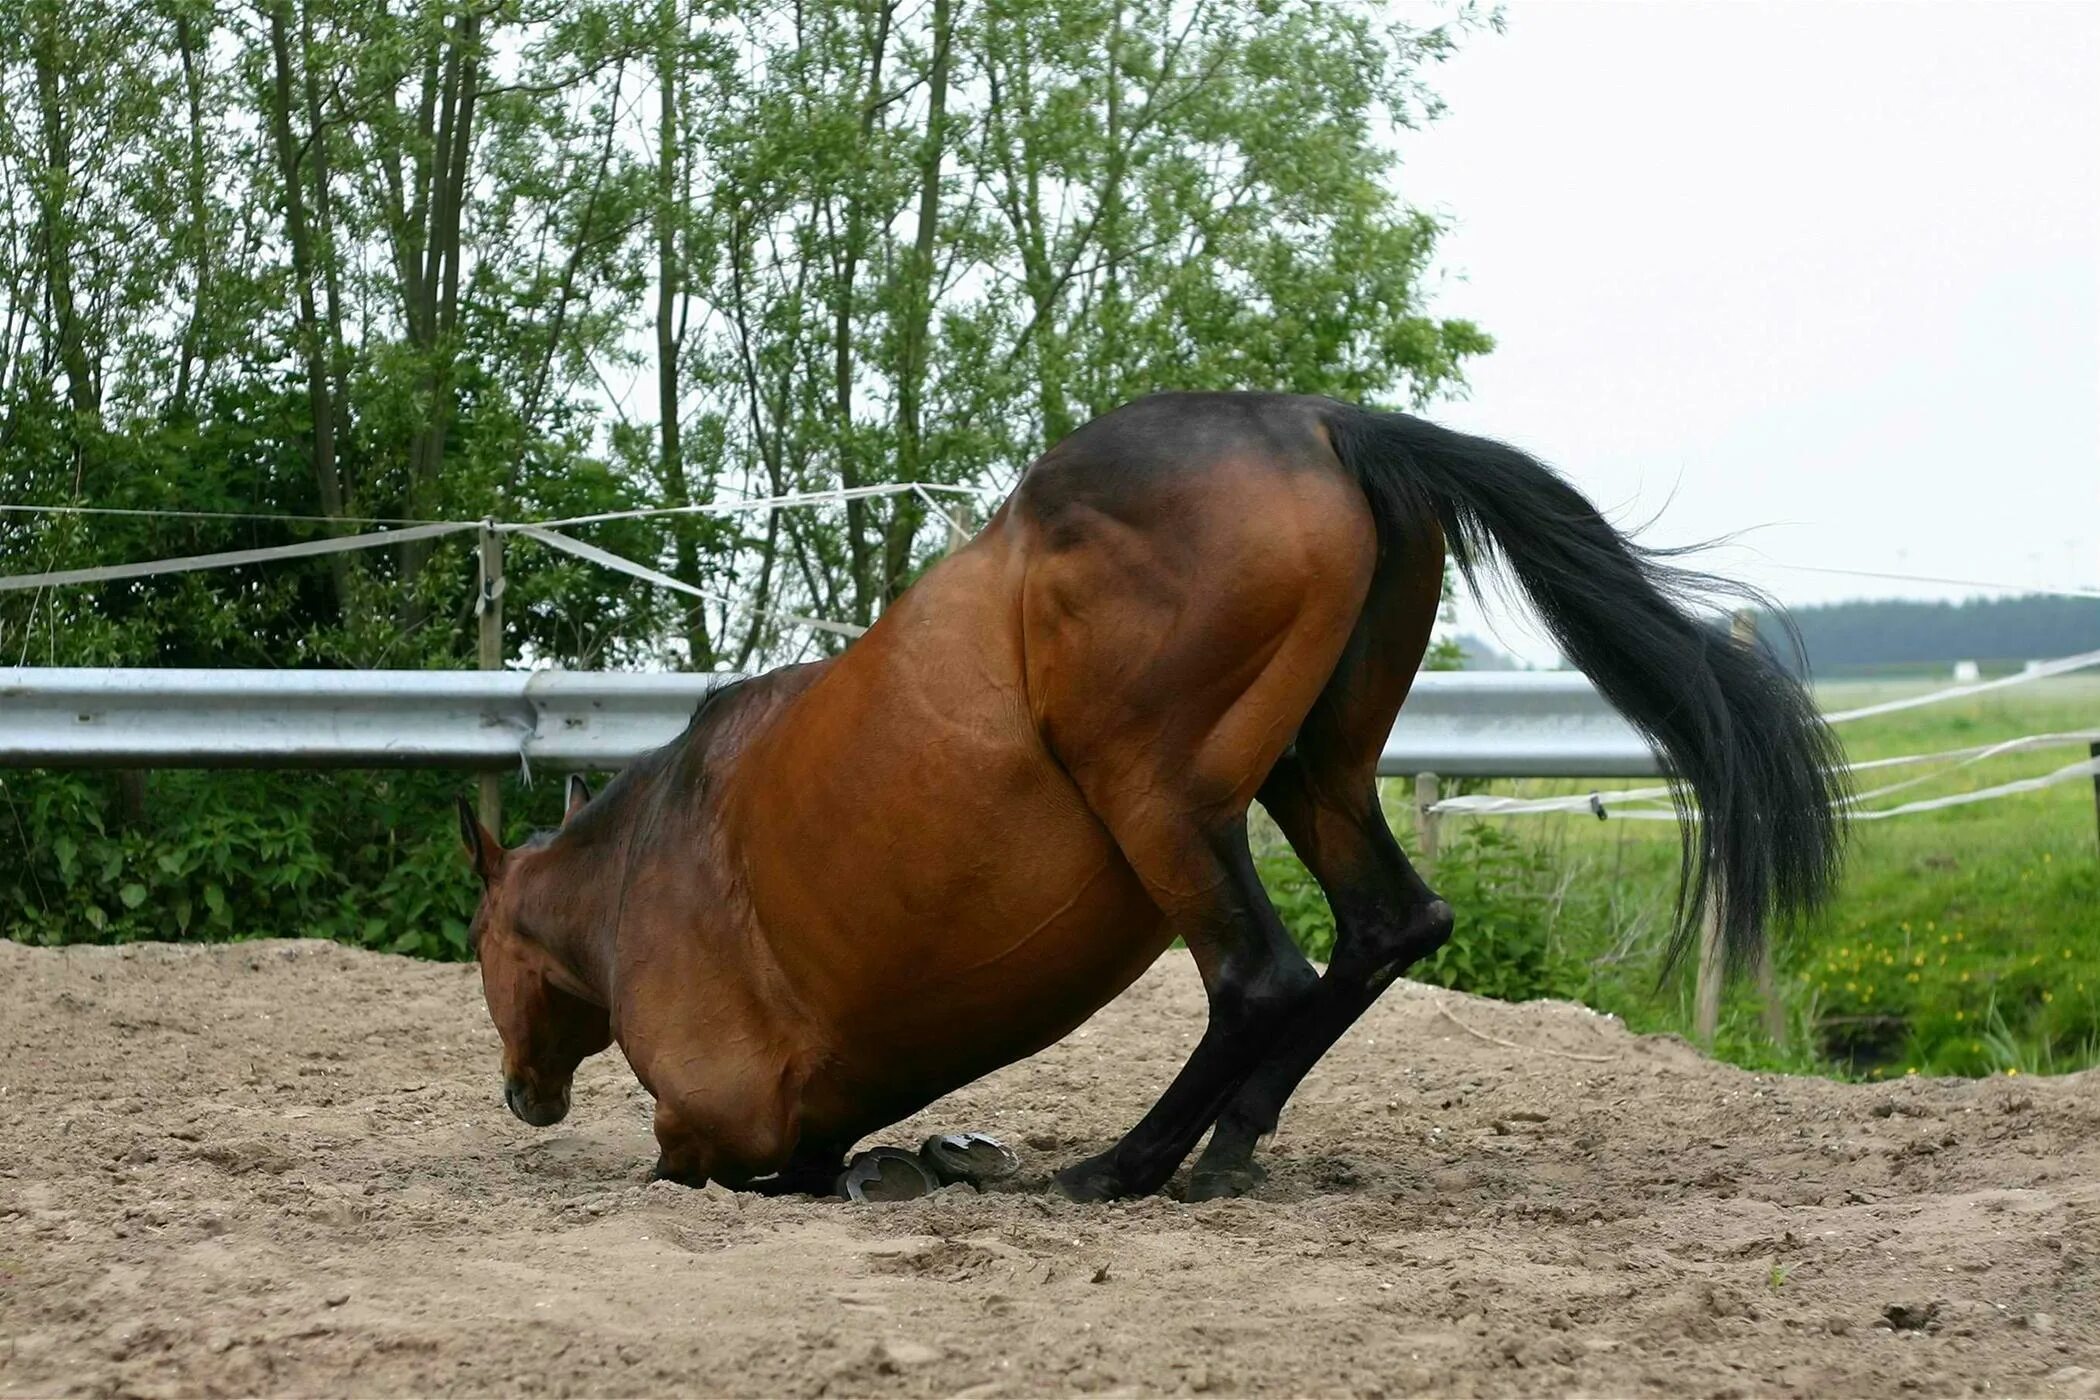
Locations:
{"points": [[1224, 1184], [886, 1174], [978, 1159], [1089, 1182]]}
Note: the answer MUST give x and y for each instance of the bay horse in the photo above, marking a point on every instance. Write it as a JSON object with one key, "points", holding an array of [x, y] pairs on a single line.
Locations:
{"points": [[851, 886]]}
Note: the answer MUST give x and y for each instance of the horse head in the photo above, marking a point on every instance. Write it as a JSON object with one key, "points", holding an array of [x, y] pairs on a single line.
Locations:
{"points": [[548, 1021]]}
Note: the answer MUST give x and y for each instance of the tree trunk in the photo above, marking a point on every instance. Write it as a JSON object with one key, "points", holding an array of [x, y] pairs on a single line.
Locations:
{"points": [[83, 390], [670, 293], [327, 483], [325, 249], [918, 314], [447, 185], [859, 548], [200, 222]]}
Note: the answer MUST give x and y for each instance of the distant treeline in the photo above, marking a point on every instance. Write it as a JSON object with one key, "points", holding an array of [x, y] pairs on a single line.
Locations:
{"points": [[1892, 635]]}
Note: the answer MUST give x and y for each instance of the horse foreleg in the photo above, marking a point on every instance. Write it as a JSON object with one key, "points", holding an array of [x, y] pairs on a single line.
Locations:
{"points": [[812, 1171], [1386, 919], [1253, 976], [724, 1119]]}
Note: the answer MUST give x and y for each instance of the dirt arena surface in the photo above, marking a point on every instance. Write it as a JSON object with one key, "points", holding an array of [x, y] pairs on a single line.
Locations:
{"points": [[284, 1168]]}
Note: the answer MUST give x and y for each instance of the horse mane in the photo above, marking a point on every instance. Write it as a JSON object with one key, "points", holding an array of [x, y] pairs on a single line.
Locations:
{"points": [[611, 803]]}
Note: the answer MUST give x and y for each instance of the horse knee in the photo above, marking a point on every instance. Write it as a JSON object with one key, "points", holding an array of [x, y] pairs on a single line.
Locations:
{"points": [[1252, 999], [1379, 951], [1437, 921], [700, 1138]]}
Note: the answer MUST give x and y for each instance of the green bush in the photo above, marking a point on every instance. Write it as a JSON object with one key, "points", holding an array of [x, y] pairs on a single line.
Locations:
{"points": [[365, 858], [1506, 895]]}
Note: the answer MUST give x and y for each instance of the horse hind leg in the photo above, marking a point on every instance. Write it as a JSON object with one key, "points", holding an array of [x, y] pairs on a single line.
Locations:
{"points": [[1167, 697], [1252, 977], [1386, 919], [1324, 795]]}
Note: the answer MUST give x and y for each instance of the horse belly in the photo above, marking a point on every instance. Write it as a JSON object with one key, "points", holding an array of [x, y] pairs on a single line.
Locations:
{"points": [[988, 940]]}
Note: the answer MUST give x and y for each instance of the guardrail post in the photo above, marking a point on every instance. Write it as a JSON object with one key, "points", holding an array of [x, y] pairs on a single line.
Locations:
{"points": [[1427, 790], [488, 609]]}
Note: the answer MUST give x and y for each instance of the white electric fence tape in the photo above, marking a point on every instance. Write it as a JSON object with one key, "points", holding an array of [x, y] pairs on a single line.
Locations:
{"points": [[229, 558], [805, 498], [2039, 671], [2068, 773], [1963, 758], [609, 560], [1653, 804], [542, 531], [1633, 804]]}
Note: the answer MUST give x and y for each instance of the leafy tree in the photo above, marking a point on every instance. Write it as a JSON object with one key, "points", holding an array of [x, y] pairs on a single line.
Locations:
{"points": [[302, 266]]}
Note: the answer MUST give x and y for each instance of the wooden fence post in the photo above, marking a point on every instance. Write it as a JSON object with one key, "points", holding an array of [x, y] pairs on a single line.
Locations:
{"points": [[488, 609], [1706, 1001], [1426, 792], [961, 520], [2094, 751]]}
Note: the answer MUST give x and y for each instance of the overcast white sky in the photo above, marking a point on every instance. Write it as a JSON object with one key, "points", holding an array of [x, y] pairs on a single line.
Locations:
{"points": [[1828, 270]]}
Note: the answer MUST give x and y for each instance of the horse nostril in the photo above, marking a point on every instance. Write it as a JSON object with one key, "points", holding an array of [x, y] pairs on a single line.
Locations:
{"points": [[532, 1108]]}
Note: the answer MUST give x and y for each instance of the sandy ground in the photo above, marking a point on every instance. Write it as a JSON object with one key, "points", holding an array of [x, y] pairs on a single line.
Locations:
{"points": [[283, 1167]]}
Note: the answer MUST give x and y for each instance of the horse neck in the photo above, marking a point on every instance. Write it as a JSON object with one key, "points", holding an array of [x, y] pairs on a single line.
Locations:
{"points": [[580, 877], [574, 899]]}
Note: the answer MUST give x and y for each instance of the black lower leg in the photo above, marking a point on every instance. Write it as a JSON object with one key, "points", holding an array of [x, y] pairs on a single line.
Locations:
{"points": [[812, 1171], [1386, 919], [1255, 978]]}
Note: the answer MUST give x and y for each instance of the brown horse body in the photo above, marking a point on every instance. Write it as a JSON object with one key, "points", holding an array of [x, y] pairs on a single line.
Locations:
{"points": [[855, 885]]}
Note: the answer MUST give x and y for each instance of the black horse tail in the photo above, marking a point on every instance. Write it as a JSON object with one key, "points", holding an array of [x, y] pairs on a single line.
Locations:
{"points": [[1735, 729]]}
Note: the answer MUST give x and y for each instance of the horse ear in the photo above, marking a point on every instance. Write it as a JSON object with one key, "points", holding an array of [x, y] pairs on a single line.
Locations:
{"points": [[483, 853], [579, 794]]}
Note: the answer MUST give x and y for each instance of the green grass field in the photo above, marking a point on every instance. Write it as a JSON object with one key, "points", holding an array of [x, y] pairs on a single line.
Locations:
{"points": [[1962, 941]]}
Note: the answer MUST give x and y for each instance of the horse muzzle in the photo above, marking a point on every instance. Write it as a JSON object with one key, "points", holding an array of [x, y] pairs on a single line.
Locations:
{"points": [[541, 1110]]}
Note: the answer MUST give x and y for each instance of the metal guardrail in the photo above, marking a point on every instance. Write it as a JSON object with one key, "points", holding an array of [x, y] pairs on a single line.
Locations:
{"points": [[1456, 724]]}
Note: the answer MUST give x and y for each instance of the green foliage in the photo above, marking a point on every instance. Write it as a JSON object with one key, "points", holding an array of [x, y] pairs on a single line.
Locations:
{"points": [[364, 858], [1506, 894], [1956, 991], [864, 243], [1297, 897], [674, 254], [227, 857], [1963, 941]]}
